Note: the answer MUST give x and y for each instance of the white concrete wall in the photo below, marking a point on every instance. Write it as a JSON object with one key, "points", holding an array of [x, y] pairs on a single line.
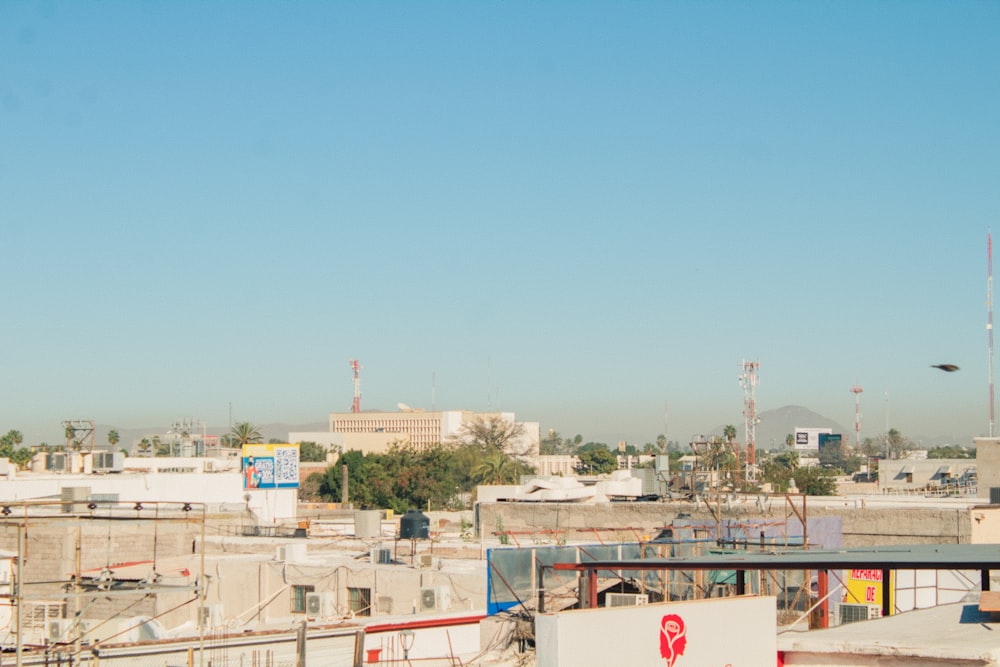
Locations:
{"points": [[987, 464], [270, 505], [738, 631]]}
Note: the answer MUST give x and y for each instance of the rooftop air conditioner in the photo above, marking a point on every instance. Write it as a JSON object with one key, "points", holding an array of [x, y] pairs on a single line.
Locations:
{"points": [[109, 461], [436, 598], [320, 604], [59, 630], [425, 560], [381, 555], [625, 600], [852, 613]]}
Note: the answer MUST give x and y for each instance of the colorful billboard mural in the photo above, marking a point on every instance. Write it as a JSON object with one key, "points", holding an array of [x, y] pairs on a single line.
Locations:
{"points": [[274, 466]]}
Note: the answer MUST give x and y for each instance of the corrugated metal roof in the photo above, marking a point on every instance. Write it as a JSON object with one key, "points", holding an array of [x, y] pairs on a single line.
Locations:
{"points": [[908, 557]]}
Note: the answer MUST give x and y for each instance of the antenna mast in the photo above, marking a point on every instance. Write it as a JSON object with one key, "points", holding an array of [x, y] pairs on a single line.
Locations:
{"points": [[356, 365], [856, 390], [749, 381], [989, 316]]}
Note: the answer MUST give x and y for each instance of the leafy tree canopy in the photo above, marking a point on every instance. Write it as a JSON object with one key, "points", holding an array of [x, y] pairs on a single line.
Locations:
{"points": [[951, 452], [312, 452]]}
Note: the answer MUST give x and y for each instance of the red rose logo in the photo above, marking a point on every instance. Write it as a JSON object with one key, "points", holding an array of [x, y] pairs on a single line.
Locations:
{"points": [[672, 638]]}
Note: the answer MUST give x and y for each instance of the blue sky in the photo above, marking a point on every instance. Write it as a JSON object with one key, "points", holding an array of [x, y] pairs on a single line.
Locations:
{"points": [[586, 213]]}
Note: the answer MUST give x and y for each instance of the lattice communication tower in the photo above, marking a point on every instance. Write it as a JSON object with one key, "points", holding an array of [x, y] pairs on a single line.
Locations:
{"points": [[749, 381]]}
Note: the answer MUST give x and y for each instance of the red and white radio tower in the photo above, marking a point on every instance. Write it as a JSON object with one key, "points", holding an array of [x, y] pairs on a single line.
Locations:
{"points": [[356, 365], [749, 381], [856, 390]]}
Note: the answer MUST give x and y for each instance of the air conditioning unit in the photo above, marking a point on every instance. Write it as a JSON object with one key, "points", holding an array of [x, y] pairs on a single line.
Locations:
{"points": [[59, 630], [55, 461], [625, 600], [109, 461], [321, 604], [381, 555], [210, 615], [425, 560], [437, 598], [852, 613]]}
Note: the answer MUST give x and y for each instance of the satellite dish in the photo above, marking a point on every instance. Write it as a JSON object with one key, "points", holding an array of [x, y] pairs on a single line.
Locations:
{"points": [[403, 407]]}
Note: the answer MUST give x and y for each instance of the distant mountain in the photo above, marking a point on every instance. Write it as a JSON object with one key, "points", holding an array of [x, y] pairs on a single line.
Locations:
{"points": [[775, 425]]}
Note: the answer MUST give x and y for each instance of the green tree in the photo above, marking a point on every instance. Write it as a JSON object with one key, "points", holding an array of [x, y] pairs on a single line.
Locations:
{"points": [[309, 490], [897, 446], [71, 441], [244, 433], [550, 444], [778, 468], [312, 452], [595, 459], [113, 438], [403, 478], [145, 446], [729, 433], [951, 452], [357, 480], [814, 481], [499, 468], [160, 448]]}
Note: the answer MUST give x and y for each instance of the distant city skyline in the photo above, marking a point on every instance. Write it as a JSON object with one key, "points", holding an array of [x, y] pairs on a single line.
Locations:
{"points": [[585, 214]]}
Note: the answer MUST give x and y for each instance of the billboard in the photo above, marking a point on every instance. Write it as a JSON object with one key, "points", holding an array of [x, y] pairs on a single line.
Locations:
{"points": [[865, 587], [831, 442], [271, 466], [808, 438]]}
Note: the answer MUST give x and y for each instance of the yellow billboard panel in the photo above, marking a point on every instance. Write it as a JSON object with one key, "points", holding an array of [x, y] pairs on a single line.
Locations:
{"points": [[865, 587]]}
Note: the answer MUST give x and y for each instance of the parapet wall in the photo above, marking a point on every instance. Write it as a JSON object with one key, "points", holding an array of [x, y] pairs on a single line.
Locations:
{"points": [[624, 521]]}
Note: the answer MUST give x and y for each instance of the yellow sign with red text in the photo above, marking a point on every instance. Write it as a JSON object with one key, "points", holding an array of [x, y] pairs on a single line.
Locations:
{"points": [[865, 587]]}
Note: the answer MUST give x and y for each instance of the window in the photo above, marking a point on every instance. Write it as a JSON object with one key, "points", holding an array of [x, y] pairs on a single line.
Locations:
{"points": [[299, 598], [359, 600]]}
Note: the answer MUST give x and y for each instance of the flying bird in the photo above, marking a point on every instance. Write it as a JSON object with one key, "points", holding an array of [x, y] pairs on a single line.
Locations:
{"points": [[945, 367]]}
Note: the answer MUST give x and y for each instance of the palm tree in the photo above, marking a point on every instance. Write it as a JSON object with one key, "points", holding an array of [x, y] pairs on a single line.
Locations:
{"points": [[497, 468], [145, 445], [113, 438], [71, 440], [729, 433], [244, 433]]}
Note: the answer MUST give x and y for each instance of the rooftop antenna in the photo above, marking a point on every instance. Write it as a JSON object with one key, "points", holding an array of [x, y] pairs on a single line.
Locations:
{"points": [[856, 390], [989, 317], [356, 366], [666, 422], [749, 381]]}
